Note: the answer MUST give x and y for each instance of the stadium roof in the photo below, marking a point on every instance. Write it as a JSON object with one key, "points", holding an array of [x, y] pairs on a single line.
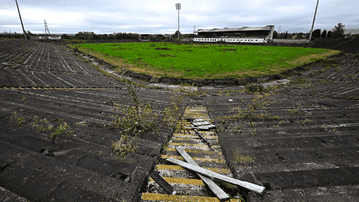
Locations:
{"points": [[226, 29]]}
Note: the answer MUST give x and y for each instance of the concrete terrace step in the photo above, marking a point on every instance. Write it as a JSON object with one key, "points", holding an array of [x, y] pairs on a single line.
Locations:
{"points": [[325, 193], [30, 169], [85, 152]]}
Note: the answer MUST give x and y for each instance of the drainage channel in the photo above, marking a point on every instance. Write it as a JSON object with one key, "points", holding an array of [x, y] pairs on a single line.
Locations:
{"points": [[202, 145]]}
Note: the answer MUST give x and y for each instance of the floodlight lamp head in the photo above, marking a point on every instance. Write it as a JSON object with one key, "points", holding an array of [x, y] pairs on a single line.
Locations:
{"points": [[178, 6]]}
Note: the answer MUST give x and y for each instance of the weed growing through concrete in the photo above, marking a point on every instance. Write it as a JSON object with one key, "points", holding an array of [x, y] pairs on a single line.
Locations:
{"points": [[15, 118], [293, 111], [250, 113], [60, 129], [259, 101], [123, 146], [41, 125], [171, 114], [305, 121], [137, 119], [243, 160], [354, 97], [299, 80]]}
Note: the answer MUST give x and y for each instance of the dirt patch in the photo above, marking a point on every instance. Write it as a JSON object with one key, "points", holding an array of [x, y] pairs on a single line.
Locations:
{"points": [[162, 49], [167, 55]]}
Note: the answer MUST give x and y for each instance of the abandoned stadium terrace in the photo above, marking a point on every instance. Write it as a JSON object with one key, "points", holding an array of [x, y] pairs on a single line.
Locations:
{"points": [[301, 143]]}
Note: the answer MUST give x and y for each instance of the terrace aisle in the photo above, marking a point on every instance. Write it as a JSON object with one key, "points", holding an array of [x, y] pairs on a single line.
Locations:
{"points": [[207, 154]]}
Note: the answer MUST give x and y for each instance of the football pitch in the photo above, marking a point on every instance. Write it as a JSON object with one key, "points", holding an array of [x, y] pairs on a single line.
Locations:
{"points": [[204, 61]]}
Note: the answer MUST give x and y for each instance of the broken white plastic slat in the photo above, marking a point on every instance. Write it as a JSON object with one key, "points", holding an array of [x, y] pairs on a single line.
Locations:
{"points": [[213, 186], [250, 186], [197, 120]]}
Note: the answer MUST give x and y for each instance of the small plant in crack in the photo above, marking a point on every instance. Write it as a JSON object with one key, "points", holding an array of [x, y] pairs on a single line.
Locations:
{"points": [[238, 129], [249, 113], [123, 146], [305, 121], [241, 159], [61, 129], [41, 125], [171, 114], [137, 119], [15, 118], [253, 132]]}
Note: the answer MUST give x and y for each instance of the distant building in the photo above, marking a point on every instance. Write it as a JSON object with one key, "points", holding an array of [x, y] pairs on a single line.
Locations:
{"points": [[41, 37], [236, 35], [144, 37], [351, 31]]}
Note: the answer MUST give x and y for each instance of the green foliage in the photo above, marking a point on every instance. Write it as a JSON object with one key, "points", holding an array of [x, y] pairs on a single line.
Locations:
{"points": [[249, 113], [305, 121], [316, 34], [338, 31], [15, 118], [243, 160], [299, 80], [324, 34], [171, 114], [293, 111], [60, 129], [353, 97], [205, 61], [136, 119], [41, 125], [123, 146]]}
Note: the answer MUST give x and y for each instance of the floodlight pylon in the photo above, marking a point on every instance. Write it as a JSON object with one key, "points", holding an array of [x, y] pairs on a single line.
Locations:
{"points": [[311, 30], [178, 7], [23, 29], [46, 28]]}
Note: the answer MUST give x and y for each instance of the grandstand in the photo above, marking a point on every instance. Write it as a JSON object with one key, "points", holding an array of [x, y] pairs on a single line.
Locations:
{"points": [[236, 35]]}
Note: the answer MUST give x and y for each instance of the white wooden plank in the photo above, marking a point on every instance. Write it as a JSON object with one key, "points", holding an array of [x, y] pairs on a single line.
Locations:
{"points": [[201, 123], [213, 186], [250, 186]]}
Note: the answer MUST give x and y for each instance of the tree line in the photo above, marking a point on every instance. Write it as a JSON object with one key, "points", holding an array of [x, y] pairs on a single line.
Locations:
{"points": [[336, 32]]}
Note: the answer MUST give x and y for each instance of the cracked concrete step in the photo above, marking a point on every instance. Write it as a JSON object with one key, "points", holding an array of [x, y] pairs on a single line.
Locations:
{"points": [[88, 155], [327, 193]]}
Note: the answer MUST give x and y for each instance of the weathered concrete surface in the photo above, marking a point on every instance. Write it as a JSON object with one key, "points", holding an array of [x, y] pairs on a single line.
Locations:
{"points": [[46, 81], [304, 146]]}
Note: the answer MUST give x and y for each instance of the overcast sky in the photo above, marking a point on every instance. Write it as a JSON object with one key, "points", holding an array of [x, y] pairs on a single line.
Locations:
{"points": [[160, 16]]}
